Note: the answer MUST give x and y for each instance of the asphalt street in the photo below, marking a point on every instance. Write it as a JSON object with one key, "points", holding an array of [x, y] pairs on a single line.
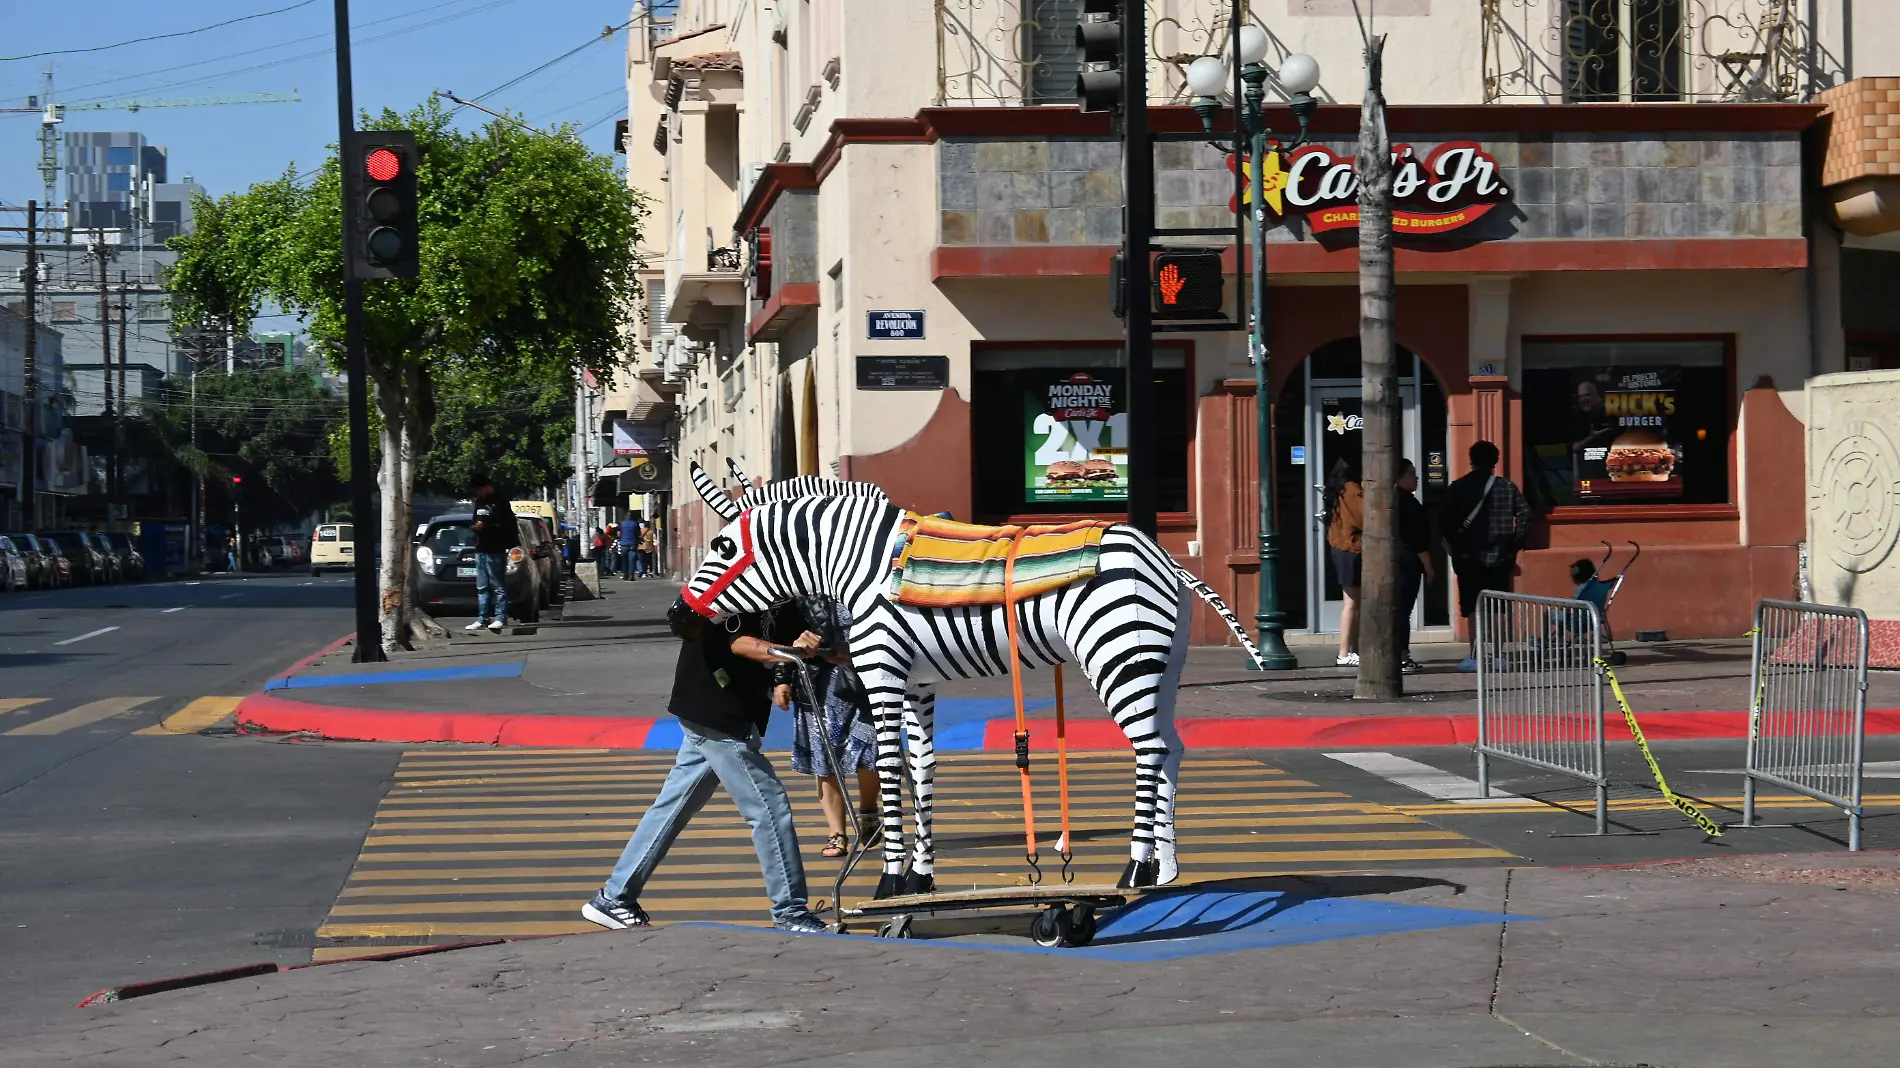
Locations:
{"points": [[126, 852]]}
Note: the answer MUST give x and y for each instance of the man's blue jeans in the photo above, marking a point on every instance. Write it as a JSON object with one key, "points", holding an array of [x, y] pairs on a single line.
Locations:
{"points": [[708, 758], [626, 560], [491, 591]]}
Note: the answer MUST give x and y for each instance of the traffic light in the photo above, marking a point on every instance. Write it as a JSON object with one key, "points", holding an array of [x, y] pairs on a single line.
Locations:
{"points": [[235, 479], [1098, 40], [1189, 285], [380, 184]]}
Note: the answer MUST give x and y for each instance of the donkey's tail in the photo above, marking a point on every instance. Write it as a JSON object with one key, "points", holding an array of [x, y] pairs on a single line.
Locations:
{"points": [[1207, 594]]}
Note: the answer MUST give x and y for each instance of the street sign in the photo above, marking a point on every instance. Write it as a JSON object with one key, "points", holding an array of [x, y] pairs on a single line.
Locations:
{"points": [[904, 372], [894, 325]]}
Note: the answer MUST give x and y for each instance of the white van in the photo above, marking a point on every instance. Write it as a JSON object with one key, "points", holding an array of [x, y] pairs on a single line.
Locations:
{"points": [[332, 546]]}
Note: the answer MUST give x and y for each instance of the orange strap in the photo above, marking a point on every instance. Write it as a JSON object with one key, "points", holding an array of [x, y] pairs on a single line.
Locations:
{"points": [[1062, 774], [1016, 683]]}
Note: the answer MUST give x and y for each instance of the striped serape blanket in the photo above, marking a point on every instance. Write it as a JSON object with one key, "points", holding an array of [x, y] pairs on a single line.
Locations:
{"points": [[946, 564]]}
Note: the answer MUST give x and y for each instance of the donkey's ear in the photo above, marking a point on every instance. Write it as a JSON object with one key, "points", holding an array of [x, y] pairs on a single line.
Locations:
{"points": [[710, 492], [745, 484]]}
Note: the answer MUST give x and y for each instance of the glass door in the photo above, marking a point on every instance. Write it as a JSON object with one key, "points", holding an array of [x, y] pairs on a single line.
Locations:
{"points": [[1335, 429]]}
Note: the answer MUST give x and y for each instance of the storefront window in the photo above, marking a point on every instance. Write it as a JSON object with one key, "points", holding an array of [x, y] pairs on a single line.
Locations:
{"points": [[1626, 422], [1049, 429]]}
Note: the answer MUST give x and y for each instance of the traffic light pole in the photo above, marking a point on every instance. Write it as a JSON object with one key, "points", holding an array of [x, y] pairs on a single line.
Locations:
{"points": [[369, 629], [1138, 220]]}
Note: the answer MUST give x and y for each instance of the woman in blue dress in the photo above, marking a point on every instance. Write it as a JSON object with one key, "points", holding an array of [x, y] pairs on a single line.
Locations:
{"points": [[845, 717]]}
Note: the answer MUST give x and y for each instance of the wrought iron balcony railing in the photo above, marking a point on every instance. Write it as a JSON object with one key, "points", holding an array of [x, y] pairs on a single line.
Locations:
{"points": [[1009, 52], [1649, 51]]}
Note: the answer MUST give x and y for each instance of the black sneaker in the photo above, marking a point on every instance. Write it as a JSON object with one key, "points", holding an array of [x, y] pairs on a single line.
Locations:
{"points": [[1409, 666], [615, 915], [803, 923]]}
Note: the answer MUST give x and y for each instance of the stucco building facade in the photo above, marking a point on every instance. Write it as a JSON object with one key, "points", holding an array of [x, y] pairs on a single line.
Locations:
{"points": [[881, 236]]}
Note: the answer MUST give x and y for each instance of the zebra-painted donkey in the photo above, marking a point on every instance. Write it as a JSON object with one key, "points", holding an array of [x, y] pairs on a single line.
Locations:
{"points": [[1126, 626]]}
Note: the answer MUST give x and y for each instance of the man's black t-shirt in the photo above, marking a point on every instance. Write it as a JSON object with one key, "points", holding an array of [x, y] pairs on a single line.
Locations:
{"points": [[717, 688], [498, 533]]}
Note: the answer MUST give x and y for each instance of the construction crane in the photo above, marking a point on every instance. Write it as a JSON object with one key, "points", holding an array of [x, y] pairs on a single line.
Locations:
{"points": [[51, 115]]}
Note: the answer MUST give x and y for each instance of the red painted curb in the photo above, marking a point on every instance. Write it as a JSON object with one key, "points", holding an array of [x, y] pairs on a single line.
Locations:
{"points": [[266, 711], [270, 712], [316, 656]]}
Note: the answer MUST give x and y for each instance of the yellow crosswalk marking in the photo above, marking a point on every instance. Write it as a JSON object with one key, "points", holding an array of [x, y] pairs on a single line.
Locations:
{"points": [[475, 843], [16, 704], [83, 716], [194, 717]]}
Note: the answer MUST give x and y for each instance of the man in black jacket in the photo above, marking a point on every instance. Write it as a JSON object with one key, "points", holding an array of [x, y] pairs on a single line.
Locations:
{"points": [[1485, 521], [723, 694], [496, 532]]}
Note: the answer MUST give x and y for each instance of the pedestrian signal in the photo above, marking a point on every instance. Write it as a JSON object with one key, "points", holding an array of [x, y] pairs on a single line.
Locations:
{"points": [[1189, 285]]}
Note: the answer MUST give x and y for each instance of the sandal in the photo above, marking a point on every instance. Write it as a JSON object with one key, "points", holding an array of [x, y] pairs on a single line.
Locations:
{"points": [[834, 846]]}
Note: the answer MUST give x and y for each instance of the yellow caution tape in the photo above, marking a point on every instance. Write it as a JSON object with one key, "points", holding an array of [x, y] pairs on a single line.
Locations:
{"points": [[1708, 826]]}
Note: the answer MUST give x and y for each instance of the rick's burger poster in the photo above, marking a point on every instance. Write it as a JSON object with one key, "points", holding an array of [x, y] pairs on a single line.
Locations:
{"points": [[1075, 448], [1627, 434]]}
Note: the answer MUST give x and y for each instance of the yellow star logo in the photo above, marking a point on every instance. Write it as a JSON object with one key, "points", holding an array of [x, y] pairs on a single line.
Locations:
{"points": [[1272, 180], [1335, 424]]}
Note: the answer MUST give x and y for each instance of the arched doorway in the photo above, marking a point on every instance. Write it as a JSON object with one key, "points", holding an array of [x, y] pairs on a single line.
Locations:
{"points": [[1314, 423]]}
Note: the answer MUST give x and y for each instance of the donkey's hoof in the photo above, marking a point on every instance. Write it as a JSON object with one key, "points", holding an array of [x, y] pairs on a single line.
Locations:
{"points": [[891, 884], [919, 882], [1140, 873]]}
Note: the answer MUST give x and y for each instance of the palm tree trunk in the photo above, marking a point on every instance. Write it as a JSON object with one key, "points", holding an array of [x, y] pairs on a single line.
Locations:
{"points": [[1379, 677]]}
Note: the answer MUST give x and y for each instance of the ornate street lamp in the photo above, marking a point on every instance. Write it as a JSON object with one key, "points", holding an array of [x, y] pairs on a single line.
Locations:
{"points": [[1209, 78]]}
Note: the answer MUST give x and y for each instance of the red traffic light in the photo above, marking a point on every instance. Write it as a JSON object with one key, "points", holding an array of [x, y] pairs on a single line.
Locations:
{"points": [[236, 479], [383, 165]]}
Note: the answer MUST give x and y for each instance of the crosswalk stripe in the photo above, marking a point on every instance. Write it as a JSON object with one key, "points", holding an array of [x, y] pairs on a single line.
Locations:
{"points": [[18, 704], [194, 717], [83, 716], [502, 843]]}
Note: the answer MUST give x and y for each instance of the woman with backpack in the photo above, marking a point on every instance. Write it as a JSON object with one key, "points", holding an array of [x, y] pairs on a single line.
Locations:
{"points": [[1345, 502]]}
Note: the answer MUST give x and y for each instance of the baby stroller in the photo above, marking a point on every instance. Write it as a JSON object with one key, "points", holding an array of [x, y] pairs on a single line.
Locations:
{"points": [[1601, 592]]}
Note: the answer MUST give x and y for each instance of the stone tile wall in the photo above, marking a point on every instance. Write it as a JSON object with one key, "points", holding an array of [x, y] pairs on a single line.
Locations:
{"points": [[1068, 192]]}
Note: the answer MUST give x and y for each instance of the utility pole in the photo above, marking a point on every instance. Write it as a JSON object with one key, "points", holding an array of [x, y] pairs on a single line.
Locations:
{"points": [[29, 456], [1379, 644], [118, 424], [369, 629], [105, 351], [1138, 218]]}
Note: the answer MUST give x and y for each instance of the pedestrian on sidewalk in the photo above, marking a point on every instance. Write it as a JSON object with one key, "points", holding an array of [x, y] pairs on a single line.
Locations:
{"points": [[649, 548], [1345, 502], [1486, 521], [496, 532], [723, 694], [845, 719], [599, 542], [1415, 559], [629, 542]]}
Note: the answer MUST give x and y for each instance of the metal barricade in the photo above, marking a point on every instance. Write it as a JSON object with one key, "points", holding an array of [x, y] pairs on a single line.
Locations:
{"points": [[1808, 707], [1540, 690]]}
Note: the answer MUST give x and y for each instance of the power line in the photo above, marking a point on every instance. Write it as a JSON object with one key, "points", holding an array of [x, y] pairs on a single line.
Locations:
{"points": [[605, 35], [253, 52], [158, 37]]}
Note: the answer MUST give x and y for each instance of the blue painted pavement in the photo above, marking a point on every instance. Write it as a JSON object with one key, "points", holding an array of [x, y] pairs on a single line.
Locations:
{"points": [[378, 678]]}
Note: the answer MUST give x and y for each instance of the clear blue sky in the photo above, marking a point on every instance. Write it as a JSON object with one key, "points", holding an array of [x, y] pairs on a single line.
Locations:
{"points": [[466, 46]]}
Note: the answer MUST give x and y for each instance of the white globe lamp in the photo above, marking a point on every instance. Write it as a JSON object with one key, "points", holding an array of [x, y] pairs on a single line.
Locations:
{"points": [[1250, 45], [1207, 76], [1299, 73]]}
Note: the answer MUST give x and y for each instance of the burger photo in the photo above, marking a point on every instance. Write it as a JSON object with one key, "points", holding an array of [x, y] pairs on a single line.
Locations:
{"points": [[1063, 472], [1099, 470], [1639, 456]]}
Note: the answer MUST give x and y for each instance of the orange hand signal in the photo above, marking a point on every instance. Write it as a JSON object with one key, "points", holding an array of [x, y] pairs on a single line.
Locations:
{"points": [[1171, 283]]}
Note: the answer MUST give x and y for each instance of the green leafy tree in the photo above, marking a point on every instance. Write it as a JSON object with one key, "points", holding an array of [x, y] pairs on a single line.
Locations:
{"points": [[269, 428], [527, 260], [518, 430]]}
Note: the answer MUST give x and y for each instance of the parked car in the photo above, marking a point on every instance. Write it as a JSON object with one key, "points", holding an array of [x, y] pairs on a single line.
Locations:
{"points": [[272, 552], [39, 572], [60, 559], [12, 566], [131, 561], [104, 556], [333, 546], [445, 570], [89, 564], [547, 555]]}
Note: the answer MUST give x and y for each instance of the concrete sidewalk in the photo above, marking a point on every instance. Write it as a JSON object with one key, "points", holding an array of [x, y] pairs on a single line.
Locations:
{"points": [[1759, 962], [603, 669]]}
